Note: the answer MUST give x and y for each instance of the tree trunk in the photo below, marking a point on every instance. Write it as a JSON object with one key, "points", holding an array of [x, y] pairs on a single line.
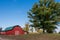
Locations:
{"points": [[43, 30]]}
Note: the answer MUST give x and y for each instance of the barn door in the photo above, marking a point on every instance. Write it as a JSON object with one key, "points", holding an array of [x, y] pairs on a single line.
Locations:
{"points": [[16, 32]]}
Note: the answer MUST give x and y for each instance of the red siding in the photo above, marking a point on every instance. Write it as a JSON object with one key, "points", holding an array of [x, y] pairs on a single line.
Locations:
{"points": [[12, 32], [15, 31], [2, 33]]}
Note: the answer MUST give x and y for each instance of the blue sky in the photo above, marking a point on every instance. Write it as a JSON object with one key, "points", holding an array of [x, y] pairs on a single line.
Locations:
{"points": [[14, 12]]}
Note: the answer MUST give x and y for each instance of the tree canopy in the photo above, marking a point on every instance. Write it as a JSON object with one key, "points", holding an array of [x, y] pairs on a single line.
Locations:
{"points": [[44, 14]]}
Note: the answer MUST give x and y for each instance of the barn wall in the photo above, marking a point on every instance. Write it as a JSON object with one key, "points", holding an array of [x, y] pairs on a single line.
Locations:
{"points": [[16, 30]]}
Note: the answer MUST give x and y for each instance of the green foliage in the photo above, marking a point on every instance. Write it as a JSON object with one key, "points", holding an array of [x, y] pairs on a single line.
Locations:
{"points": [[59, 32], [44, 14]]}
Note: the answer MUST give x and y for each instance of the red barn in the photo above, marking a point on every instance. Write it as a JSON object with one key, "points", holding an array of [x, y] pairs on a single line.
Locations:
{"points": [[15, 30]]}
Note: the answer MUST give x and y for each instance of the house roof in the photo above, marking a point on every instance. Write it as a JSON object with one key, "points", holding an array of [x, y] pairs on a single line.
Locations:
{"points": [[10, 28]]}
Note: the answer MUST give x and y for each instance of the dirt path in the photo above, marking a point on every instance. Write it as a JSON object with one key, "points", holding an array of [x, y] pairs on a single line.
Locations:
{"points": [[3, 39]]}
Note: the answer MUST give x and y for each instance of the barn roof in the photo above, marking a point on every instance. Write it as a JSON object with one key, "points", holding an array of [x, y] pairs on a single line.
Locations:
{"points": [[10, 28]]}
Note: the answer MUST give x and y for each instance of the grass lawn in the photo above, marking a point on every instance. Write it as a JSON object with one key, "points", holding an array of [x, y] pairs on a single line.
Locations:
{"points": [[33, 37]]}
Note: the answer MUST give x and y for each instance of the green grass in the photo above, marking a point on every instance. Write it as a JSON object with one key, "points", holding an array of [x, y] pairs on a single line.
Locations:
{"points": [[33, 37]]}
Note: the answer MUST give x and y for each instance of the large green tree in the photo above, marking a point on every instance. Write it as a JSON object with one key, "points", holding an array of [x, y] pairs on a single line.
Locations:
{"points": [[44, 14]]}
